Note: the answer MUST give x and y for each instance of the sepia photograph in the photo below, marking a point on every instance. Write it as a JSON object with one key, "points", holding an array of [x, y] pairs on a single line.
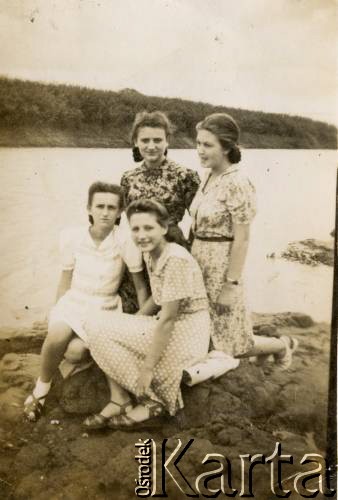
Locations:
{"points": [[168, 291]]}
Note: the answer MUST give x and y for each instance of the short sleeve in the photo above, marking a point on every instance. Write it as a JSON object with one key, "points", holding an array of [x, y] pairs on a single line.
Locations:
{"points": [[66, 246], [178, 280], [191, 185], [240, 200], [131, 254]]}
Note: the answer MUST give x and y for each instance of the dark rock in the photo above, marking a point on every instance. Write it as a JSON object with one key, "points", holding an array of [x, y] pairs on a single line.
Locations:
{"points": [[265, 330], [262, 402], [32, 457], [28, 340], [85, 392], [281, 320], [311, 252], [196, 407], [301, 320], [242, 412], [230, 437], [18, 373], [225, 404]]}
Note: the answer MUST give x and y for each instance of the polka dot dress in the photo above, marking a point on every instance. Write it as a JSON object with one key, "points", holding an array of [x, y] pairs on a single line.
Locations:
{"points": [[119, 342]]}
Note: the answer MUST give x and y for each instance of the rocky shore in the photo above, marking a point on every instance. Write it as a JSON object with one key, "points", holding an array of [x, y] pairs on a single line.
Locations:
{"points": [[243, 412], [310, 252]]}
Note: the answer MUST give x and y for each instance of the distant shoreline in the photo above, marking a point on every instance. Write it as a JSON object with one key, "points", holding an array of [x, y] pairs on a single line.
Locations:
{"points": [[34, 114], [28, 138]]}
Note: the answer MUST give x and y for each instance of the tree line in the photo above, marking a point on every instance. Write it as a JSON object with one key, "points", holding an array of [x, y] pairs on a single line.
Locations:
{"points": [[39, 114]]}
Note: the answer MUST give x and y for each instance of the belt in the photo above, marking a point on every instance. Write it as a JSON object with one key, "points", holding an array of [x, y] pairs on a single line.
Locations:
{"points": [[214, 238]]}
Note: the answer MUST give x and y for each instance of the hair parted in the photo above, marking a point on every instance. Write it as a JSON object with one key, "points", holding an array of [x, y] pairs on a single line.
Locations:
{"points": [[151, 206], [104, 187], [224, 127], [154, 119]]}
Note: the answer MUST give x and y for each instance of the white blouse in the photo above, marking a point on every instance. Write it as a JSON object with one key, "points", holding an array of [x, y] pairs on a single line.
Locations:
{"points": [[98, 270]]}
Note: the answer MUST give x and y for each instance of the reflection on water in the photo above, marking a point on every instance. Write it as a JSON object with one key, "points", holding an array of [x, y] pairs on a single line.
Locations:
{"points": [[45, 189]]}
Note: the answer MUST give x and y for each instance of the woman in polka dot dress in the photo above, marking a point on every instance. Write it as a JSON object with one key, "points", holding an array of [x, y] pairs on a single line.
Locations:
{"points": [[143, 355]]}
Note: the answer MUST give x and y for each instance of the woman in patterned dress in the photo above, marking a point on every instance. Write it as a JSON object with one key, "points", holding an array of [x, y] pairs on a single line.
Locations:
{"points": [[222, 211], [157, 177], [145, 356], [93, 260]]}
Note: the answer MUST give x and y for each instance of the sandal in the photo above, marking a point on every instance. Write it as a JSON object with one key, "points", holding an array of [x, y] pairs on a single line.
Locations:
{"points": [[127, 423], [99, 421], [33, 409], [283, 361]]}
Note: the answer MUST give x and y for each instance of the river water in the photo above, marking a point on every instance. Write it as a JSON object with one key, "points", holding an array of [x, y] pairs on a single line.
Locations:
{"points": [[44, 190]]}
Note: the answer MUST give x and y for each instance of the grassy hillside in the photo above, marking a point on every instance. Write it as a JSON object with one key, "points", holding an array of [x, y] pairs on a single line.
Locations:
{"points": [[37, 114]]}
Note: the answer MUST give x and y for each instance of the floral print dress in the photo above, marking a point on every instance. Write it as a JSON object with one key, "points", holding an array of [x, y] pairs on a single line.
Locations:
{"points": [[119, 342], [172, 185], [215, 208]]}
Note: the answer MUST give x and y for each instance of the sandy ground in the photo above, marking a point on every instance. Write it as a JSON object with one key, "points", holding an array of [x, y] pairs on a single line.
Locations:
{"points": [[244, 412]]}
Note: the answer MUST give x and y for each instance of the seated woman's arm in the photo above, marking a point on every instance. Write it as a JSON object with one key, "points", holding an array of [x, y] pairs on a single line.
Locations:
{"points": [[141, 288], [64, 283], [162, 332], [149, 308]]}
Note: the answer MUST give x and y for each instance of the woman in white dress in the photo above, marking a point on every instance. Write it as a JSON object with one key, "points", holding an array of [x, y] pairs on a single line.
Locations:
{"points": [[144, 357], [93, 262]]}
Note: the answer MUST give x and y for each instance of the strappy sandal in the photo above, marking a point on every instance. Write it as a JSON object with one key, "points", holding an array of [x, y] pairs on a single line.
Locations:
{"points": [[33, 409], [99, 421], [127, 423]]}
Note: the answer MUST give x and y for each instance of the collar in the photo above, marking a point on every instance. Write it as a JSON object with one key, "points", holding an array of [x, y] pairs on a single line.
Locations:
{"points": [[230, 170], [103, 243], [153, 171], [161, 261]]}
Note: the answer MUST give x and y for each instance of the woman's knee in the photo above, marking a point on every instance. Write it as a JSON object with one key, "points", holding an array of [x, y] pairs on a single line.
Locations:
{"points": [[76, 351], [58, 334]]}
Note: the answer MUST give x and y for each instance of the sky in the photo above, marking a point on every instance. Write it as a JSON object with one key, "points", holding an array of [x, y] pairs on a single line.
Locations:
{"points": [[269, 55]]}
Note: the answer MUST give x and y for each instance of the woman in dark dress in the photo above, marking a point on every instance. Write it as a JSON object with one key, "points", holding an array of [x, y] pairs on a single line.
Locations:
{"points": [[156, 177]]}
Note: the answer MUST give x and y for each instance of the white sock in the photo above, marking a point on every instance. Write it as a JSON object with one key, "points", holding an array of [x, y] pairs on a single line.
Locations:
{"points": [[41, 389]]}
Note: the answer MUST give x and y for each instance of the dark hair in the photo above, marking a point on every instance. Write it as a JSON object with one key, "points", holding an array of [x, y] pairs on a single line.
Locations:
{"points": [[226, 130], [104, 187], [149, 207], [154, 119]]}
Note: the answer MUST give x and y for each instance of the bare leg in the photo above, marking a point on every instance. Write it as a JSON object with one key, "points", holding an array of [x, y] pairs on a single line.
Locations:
{"points": [[77, 352], [281, 348], [119, 396], [120, 403], [139, 413], [53, 349], [266, 346]]}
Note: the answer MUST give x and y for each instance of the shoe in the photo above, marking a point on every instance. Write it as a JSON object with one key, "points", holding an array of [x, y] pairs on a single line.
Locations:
{"points": [[126, 423], [33, 408], [284, 361], [99, 421]]}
